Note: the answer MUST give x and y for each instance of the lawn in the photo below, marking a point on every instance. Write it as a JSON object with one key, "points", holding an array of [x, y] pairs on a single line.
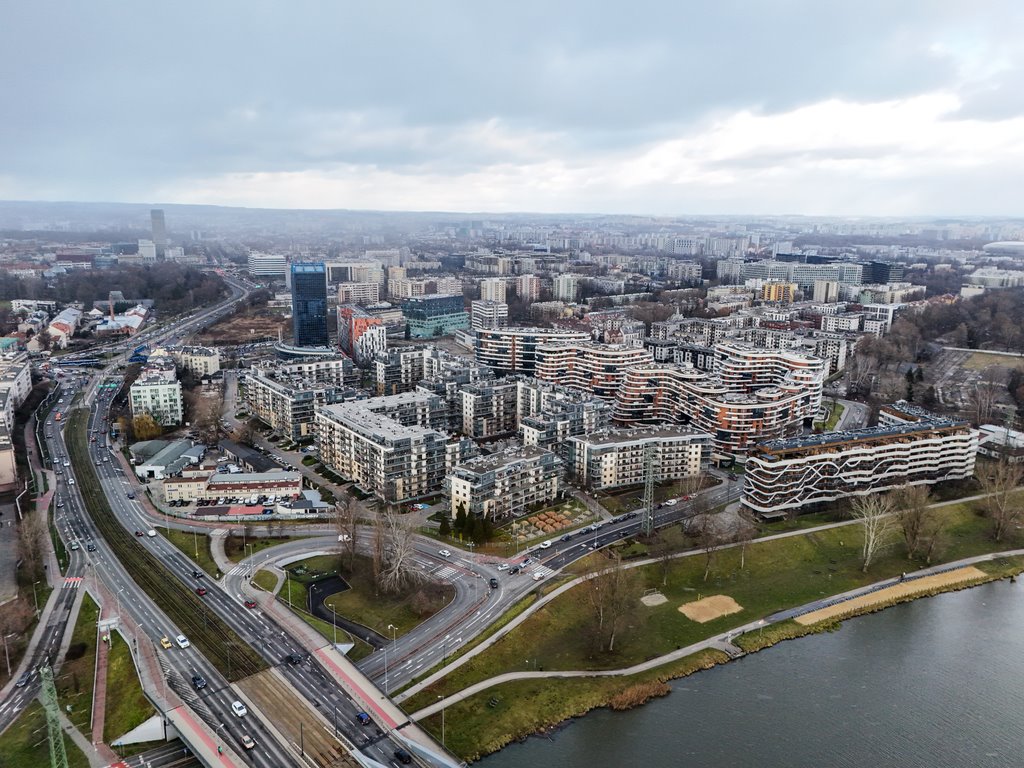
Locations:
{"points": [[195, 546], [979, 361], [235, 551], [77, 674], [24, 744], [834, 415], [777, 574], [296, 590], [362, 603], [127, 706], [265, 580]]}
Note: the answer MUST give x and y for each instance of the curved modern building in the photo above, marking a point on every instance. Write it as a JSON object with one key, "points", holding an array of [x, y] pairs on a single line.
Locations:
{"points": [[597, 368], [514, 350]]}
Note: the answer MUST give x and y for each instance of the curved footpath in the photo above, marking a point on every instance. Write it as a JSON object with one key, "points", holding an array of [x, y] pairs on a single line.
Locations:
{"points": [[721, 642]]}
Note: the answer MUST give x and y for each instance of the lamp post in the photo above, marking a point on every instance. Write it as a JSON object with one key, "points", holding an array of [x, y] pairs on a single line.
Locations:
{"points": [[393, 630], [7, 654], [440, 698], [334, 623], [35, 597], [195, 541]]}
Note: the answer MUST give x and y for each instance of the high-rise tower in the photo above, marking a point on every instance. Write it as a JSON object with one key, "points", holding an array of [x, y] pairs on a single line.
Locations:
{"points": [[156, 217], [309, 304]]}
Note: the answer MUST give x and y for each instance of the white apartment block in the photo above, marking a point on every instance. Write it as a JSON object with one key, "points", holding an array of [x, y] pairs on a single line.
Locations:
{"points": [[615, 458], [15, 385], [485, 313], [152, 393], [785, 475], [200, 361], [566, 287], [504, 485], [528, 288], [492, 289], [358, 293], [514, 350]]}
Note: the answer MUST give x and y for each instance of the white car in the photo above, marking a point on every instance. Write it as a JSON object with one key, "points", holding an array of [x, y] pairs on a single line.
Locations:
{"points": [[71, 481], [445, 553], [545, 544], [671, 502], [151, 533], [182, 641], [538, 576], [503, 567], [239, 709]]}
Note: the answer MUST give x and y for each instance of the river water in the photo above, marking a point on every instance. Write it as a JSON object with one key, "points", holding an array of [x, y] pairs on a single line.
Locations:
{"points": [[936, 683]]}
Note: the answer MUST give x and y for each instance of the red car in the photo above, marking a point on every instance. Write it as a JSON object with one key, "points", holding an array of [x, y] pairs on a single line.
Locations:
{"points": [[139, 534], [200, 591], [250, 603]]}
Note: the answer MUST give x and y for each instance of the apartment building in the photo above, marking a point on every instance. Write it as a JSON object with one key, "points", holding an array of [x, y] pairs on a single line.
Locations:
{"points": [[389, 446], [528, 288], [784, 475], [597, 368], [488, 314], [400, 369], [15, 385], [753, 394], [489, 408], [493, 289], [504, 485], [358, 293], [618, 457], [287, 404], [199, 361], [157, 392], [361, 335], [514, 350]]}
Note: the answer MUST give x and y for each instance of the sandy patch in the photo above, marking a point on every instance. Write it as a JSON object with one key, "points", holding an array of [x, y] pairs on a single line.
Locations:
{"points": [[895, 592], [710, 608], [652, 600]]}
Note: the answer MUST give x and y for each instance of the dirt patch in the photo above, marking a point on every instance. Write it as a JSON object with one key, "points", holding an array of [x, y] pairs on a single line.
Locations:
{"points": [[703, 611], [652, 600], [246, 327], [893, 593]]}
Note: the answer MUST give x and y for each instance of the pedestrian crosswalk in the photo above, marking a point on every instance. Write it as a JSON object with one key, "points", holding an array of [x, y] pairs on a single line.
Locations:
{"points": [[446, 573], [72, 582]]}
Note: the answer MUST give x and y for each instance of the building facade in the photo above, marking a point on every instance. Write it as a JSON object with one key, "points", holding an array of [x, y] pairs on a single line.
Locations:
{"points": [[432, 316], [488, 314], [309, 305], [616, 458], [514, 350], [504, 485]]}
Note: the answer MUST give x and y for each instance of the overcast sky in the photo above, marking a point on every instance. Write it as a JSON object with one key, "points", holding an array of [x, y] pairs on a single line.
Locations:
{"points": [[887, 107]]}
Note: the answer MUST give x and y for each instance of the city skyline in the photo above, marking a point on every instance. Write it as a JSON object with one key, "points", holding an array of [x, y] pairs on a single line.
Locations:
{"points": [[866, 110]]}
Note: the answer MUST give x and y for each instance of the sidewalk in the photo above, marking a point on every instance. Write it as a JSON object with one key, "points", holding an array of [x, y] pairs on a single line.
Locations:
{"points": [[99, 690], [721, 641]]}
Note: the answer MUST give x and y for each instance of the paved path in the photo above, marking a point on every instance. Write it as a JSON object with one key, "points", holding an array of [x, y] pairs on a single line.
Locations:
{"points": [[522, 617], [99, 689], [721, 642]]}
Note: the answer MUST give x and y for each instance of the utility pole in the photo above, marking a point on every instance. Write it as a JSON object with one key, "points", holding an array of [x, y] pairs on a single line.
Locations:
{"points": [[58, 755], [647, 525]]}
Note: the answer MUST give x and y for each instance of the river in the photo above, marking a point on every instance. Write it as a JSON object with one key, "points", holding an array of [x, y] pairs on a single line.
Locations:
{"points": [[937, 682]]}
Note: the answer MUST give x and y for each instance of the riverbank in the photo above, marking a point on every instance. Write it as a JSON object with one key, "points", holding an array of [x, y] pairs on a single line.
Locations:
{"points": [[526, 703]]}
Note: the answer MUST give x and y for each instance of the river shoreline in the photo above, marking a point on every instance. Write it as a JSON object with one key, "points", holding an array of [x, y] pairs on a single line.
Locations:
{"points": [[630, 694]]}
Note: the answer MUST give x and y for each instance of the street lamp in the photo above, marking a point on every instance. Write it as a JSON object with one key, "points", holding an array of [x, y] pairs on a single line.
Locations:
{"points": [[7, 654], [439, 698], [393, 629], [35, 597]]}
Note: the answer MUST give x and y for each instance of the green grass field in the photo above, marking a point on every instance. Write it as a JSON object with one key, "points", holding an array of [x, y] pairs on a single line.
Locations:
{"points": [[127, 706], [777, 574], [189, 542], [979, 361], [24, 744], [77, 674]]}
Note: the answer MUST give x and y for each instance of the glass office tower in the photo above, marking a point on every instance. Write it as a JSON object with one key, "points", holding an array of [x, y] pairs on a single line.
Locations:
{"points": [[309, 305]]}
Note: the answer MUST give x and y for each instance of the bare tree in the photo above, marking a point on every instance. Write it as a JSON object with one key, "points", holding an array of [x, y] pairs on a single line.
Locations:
{"points": [[345, 525], [875, 515], [744, 533], [917, 519], [984, 396], [704, 530], [31, 531], [612, 594], [398, 570], [662, 550], [998, 482], [377, 547]]}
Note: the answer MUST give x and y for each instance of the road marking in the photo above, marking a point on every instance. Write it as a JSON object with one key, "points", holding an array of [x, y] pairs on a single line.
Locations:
{"points": [[72, 582]]}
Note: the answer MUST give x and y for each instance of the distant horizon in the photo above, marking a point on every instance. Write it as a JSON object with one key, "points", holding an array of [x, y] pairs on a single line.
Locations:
{"points": [[546, 214]]}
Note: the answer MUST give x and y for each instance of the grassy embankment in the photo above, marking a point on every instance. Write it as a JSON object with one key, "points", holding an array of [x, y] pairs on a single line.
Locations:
{"points": [[776, 575], [127, 706], [78, 672], [25, 745]]}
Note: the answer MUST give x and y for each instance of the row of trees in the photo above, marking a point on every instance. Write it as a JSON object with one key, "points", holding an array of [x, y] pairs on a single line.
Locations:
{"points": [[173, 287]]}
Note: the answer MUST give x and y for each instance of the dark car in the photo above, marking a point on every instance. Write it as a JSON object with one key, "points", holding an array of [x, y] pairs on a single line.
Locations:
{"points": [[494, 583], [139, 533], [294, 658], [91, 547], [402, 756], [199, 682], [515, 569], [23, 680], [362, 718]]}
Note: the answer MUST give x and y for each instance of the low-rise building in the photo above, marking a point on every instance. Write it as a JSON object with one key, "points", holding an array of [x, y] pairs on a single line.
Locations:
{"points": [[504, 485], [199, 361], [234, 485]]}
